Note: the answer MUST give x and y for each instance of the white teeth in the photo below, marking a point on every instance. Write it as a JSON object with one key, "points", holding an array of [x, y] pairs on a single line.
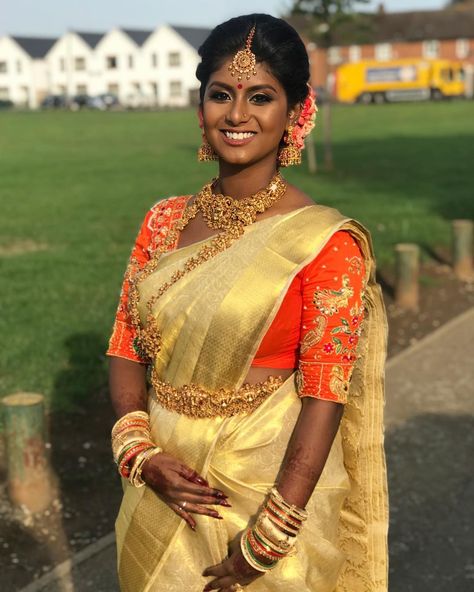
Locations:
{"points": [[239, 136]]}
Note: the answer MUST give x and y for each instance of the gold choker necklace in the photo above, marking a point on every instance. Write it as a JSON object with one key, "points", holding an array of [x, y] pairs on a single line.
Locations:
{"points": [[223, 212], [219, 211]]}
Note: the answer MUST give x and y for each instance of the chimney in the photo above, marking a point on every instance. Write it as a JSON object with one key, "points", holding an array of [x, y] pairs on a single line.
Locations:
{"points": [[380, 8]]}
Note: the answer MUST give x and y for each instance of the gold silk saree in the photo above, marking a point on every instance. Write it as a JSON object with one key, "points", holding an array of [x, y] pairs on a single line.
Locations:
{"points": [[212, 322]]}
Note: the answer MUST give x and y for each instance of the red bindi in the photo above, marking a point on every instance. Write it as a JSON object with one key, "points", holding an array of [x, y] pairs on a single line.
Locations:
{"points": [[239, 86]]}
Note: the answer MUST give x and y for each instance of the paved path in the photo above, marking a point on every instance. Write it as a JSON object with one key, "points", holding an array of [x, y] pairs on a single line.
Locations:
{"points": [[430, 451]]}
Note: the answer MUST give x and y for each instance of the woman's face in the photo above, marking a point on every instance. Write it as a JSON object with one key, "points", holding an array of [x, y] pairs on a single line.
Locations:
{"points": [[245, 121]]}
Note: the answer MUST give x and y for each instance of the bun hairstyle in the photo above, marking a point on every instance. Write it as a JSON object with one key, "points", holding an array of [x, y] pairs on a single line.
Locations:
{"points": [[275, 42]]}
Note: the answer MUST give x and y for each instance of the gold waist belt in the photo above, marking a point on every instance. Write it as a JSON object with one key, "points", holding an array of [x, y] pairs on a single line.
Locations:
{"points": [[197, 402]]}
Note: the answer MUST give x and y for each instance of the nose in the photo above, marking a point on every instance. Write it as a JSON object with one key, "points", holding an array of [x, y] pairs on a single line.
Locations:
{"points": [[237, 112]]}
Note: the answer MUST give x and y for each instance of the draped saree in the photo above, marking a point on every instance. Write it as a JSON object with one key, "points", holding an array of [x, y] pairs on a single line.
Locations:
{"points": [[212, 322]]}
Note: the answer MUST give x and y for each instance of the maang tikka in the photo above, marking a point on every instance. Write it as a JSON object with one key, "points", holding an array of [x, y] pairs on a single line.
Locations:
{"points": [[245, 60]]}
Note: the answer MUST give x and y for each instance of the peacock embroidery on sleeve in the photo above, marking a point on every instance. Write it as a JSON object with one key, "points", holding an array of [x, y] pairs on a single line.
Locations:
{"points": [[332, 322]]}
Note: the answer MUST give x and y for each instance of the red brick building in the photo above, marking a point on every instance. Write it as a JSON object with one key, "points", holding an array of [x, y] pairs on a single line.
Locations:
{"points": [[446, 34]]}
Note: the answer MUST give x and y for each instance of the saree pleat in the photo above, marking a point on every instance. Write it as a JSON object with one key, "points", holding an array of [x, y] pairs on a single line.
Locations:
{"points": [[212, 322]]}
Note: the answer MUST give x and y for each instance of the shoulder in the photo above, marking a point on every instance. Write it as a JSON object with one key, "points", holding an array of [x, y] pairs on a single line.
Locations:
{"points": [[165, 211], [341, 252]]}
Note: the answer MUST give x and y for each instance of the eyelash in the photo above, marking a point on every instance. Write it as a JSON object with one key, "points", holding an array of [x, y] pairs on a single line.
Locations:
{"points": [[218, 97]]}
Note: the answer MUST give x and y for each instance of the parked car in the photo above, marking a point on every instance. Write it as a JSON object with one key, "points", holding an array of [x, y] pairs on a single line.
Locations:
{"points": [[79, 102], [6, 104], [54, 102], [104, 101]]}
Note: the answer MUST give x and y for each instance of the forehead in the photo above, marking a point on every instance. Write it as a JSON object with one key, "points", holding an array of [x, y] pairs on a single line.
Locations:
{"points": [[263, 77]]}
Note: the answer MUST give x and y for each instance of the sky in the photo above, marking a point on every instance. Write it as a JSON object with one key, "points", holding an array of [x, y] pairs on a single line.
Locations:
{"points": [[50, 18]]}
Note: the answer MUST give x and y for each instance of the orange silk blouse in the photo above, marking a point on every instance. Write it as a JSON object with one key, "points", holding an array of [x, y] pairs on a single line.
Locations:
{"points": [[316, 328]]}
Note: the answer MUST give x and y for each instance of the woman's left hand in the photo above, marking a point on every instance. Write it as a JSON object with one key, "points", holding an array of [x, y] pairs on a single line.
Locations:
{"points": [[232, 571]]}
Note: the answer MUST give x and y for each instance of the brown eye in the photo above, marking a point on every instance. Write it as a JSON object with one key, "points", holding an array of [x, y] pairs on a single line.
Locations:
{"points": [[219, 96], [261, 99]]}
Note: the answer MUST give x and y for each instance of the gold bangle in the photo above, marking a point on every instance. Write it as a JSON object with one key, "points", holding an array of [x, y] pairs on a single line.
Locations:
{"points": [[129, 417], [273, 533], [293, 510], [136, 473]]}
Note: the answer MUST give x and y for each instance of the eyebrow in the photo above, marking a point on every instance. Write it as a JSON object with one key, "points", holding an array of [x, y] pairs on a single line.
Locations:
{"points": [[250, 89]]}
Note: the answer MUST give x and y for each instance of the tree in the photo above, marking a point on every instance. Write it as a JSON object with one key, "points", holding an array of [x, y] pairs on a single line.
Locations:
{"points": [[328, 16]]}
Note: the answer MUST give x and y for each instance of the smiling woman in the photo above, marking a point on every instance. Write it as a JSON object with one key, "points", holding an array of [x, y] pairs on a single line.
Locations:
{"points": [[247, 357]]}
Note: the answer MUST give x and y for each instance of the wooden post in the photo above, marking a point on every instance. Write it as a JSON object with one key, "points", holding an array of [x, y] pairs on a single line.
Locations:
{"points": [[407, 271], [462, 249], [30, 480]]}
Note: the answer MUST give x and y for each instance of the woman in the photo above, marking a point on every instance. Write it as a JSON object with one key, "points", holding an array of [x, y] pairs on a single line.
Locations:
{"points": [[246, 302]]}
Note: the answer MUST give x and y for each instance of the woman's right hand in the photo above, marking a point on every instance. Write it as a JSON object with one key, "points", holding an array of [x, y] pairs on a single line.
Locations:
{"points": [[177, 485]]}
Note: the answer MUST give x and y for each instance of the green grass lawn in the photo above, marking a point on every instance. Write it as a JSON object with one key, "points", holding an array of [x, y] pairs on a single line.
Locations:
{"points": [[75, 186]]}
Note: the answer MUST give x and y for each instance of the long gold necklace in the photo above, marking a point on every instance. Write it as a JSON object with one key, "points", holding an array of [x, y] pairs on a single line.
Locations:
{"points": [[220, 212]]}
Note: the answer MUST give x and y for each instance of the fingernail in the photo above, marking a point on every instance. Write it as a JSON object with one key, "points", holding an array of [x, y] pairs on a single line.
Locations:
{"points": [[225, 503], [216, 515], [207, 588], [221, 494], [201, 481]]}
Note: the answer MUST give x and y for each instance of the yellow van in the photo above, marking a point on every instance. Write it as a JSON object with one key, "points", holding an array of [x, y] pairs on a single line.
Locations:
{"points": [[399, 80]]}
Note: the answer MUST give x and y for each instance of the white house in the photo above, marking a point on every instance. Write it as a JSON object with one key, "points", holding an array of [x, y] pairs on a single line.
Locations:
{"points": [[23, 71], [141, 67], [72, 64], [170, 59], [119, 60]]}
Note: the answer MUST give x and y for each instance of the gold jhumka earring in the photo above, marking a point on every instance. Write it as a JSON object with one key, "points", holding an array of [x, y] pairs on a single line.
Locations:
{"points": [[245, 60], [290, 154], [206, 152]]}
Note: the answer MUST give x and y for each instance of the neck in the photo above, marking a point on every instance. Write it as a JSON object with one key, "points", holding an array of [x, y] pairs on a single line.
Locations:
{"points": [[240, 182]]}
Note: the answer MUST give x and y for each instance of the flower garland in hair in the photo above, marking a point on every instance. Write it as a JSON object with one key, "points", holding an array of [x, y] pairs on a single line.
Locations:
{"points": [[306, 120]]}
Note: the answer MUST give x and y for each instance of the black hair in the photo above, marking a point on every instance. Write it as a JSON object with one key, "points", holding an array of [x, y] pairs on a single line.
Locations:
{"points": [[275, 42]]}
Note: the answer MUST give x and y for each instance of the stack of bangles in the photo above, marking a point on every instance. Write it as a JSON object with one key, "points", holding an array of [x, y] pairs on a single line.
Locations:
{"points": [[273, 536], [132, 446]]}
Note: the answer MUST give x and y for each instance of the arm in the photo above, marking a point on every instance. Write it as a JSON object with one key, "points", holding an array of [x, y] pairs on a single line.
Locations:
{"points": [[308, 449], [127, 384]]}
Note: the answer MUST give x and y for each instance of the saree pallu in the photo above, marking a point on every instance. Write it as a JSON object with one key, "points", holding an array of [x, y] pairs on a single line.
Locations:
{"points": [[212, 322]]}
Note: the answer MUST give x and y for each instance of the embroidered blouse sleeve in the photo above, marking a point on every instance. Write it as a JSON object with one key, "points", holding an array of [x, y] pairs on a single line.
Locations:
{"points": [[333, 311], [123, 333]]}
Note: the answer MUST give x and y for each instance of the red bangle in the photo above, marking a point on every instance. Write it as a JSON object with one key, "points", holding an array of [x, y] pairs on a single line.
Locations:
{"points": [[124, 469]]}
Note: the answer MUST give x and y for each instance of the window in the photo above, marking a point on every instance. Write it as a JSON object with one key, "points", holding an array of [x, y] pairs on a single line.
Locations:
{"points": [[334, 55], [4, 93], [154, 89], [111, 62], [19, 66], [431, 48], [383, 52], [62, 64], [79, 64], [176, 88], [154, 60], [113, 89], [62, 89], [462, 48], [3, 67], [174, 58], [81, 89], [130, 61], [354, 53], [137, 87]]}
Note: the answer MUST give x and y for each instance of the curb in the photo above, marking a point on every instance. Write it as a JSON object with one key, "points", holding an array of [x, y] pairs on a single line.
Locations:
{"points": [[408, 351], [66, 567]]}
